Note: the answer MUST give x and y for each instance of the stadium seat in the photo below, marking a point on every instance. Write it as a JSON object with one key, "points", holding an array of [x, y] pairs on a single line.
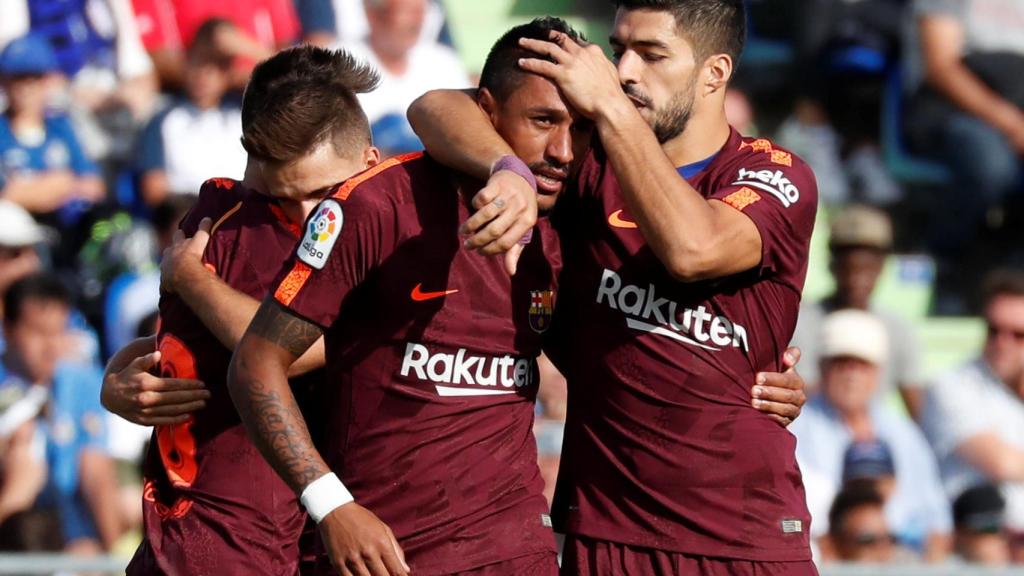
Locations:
{"points": [[904, 166]]}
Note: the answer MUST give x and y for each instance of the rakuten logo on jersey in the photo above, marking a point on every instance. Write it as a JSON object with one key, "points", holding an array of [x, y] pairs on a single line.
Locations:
{"points": [[773, 182], [463, 374], [648, 313]]}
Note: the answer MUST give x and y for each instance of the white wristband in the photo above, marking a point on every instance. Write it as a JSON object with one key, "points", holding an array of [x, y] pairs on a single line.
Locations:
{"points": [[323, 495]]}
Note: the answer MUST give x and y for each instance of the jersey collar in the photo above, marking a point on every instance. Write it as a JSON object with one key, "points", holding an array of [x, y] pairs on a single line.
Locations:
{"points": [[690, 170]]}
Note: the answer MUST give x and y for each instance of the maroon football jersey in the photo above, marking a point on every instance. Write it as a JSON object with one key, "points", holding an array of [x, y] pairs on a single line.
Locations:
{"points": [[211, 503], [662, 447], [431, 358]]}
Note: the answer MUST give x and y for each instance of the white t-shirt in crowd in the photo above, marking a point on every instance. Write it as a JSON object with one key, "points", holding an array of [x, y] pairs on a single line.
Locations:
{"points": [[431, 67], [966, 402]]}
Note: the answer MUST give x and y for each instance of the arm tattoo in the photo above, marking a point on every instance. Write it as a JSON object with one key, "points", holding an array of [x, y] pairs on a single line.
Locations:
{"points": [[276, 324], [261, 392], [281, 433]]}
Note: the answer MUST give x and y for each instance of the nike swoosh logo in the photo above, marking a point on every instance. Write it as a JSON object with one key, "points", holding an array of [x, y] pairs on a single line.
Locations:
{"points": [[419, 295], [615, 219]]}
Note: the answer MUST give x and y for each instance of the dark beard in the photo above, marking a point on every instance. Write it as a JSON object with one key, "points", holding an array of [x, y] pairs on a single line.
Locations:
{"points": [[672, 121]]}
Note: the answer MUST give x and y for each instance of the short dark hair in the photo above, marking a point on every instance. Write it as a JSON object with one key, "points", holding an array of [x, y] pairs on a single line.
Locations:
{"points": [[855, 494], [205, 38], [712, 26], [502, 74], [303, 96], [37, 287], [1002, 282]]}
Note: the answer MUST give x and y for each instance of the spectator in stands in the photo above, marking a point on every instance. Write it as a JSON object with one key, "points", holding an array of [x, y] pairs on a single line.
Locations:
{"points": [[318, 22], [408, 68], [968, 112], [42, 165], [353, 26], [168, 27], [860, 241], [979, 515], [974, 415], [19, 234], [858, 531], [97, 46], [200, 135], [854, 350], [81, 485], [871, 461]]}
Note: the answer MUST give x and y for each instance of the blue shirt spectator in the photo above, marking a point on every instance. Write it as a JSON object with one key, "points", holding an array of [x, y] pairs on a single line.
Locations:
{"points": [[81, 484], [42, 162]]}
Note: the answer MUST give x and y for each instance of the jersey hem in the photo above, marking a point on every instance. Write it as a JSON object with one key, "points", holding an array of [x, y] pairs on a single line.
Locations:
{"points": [[619, 536]]}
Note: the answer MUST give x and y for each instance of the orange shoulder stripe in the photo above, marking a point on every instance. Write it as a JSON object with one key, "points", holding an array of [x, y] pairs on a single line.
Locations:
{"points": [[343, 191], [292, 283], [225, 217]]}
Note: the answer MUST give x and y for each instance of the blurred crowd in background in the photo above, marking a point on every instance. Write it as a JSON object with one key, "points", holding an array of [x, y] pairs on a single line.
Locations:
{"points": [[910, 112]]}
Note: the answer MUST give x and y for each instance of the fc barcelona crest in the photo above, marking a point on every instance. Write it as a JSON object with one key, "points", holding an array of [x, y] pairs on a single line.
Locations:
{"points": [[542, 306]]}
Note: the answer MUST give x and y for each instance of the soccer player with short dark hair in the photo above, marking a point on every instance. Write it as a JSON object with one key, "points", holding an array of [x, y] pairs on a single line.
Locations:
{"points": [[685, 248], [211, 504]]}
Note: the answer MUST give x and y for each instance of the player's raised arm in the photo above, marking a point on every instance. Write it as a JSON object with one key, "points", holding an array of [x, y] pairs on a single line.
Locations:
{"points": [[694, 237], [455, 131], [356, 539], [225, 312]]}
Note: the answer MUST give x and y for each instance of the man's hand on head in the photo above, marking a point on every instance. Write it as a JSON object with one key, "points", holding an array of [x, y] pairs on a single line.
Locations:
{"points": [[587, 78], [183, 259], [781, 395], [506, 211]]}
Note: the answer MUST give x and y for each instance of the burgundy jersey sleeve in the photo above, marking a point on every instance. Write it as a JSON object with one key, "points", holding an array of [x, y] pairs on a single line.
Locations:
{"points": [[344, 239], [782, 201]]}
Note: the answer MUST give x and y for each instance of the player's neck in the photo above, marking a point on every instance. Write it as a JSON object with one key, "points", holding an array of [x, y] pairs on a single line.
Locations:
{"points": [[705, 134]]}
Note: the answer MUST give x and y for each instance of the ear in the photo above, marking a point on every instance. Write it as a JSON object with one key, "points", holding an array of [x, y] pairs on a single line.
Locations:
{"points": [[718, 72], [488, 103], [371, 156]]}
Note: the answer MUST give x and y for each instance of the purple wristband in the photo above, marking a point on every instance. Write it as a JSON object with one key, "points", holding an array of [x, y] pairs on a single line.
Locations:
{"points": [[514, 164]]}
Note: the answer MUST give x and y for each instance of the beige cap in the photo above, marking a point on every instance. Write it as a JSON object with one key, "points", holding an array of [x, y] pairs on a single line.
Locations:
{"points": [[17, 227], [861, 226], [854, 333]]}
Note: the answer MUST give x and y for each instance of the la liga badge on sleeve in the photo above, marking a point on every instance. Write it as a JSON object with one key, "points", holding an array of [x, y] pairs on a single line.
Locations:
{"points": [[321, 234]]}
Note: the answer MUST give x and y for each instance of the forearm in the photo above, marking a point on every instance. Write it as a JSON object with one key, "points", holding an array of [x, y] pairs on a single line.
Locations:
{"points": [[258, 384], [224, 311], [967, 91], [39, 194], [259, 388], [676, 221], [99, 488], [23, 475], [997, 459], [456, 132], [154, 187], [227, 313]]}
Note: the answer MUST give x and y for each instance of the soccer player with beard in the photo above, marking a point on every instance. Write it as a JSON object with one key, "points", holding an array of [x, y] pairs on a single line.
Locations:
{"points": [[685, 248], [211, 504]]}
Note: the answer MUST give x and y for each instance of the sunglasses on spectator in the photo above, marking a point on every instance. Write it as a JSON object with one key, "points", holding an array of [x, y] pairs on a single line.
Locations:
{"points": [[994, 331], [872, 539]]}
